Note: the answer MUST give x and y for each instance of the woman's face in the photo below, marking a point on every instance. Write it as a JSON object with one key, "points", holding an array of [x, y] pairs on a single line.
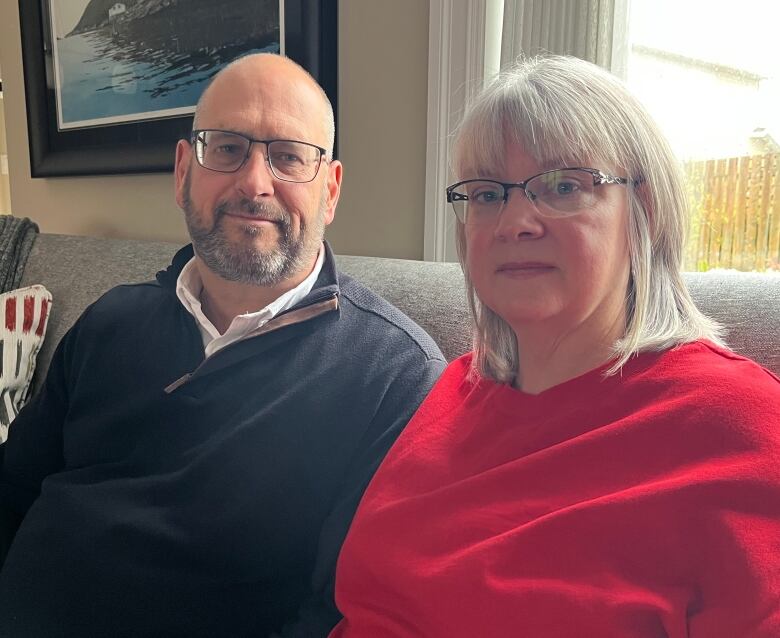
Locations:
{"points": [[562, 274]]}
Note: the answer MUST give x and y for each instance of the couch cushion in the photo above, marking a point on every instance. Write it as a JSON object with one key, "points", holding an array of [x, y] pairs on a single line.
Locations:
{"points": [[747, 304], [431, 293]]}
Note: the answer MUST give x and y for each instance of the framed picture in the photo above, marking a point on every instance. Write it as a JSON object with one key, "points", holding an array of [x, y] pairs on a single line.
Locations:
{"points": [[111, 85]]}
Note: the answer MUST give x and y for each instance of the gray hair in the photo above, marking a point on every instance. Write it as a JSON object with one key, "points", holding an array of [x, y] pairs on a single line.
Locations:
{"points": [[329, 121], [565, 111]]}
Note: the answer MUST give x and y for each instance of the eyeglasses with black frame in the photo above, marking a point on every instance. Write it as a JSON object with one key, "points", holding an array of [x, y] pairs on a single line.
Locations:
{"points": [[227, 151], [561, 192]]}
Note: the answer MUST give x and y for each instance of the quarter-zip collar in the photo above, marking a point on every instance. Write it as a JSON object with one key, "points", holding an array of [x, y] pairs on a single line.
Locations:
{"points": [[327, 283], [322, 300]]}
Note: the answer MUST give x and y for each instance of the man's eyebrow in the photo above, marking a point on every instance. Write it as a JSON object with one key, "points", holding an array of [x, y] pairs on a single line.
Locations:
{"points": [[226, 129], [295, 136]]}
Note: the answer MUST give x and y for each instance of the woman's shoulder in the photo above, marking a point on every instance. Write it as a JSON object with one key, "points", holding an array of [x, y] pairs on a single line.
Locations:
{"points": [[461, 380], [705, 362], [457, 381], [459, 375], [719, 386]]}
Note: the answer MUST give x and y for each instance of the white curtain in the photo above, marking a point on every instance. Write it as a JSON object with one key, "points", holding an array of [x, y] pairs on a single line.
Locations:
{"points": [[594, 30], [5, 192]]}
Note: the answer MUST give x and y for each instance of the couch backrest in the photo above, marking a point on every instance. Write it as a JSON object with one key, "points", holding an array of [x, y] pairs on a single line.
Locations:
{"points": [[79, 269], [746, 304]]}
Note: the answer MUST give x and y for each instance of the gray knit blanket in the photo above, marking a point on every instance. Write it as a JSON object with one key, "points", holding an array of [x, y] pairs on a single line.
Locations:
{"points": [[17, 236]]}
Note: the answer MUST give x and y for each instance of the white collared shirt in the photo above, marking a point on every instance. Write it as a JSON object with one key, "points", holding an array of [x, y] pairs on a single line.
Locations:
{"points": [[189, 288]]}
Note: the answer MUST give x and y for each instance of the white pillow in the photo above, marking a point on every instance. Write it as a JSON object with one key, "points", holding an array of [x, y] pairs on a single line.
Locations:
{"points": [[24, 315]]}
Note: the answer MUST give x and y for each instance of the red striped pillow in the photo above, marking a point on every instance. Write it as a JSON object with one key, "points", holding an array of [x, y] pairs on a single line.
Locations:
{"points": [[25, 314]]}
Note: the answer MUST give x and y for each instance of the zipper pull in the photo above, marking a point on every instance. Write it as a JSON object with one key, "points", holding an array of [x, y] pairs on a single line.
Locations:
{"points": [[178, 383]]}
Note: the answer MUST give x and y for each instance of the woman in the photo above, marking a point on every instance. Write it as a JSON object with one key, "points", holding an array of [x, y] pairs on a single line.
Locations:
{"points": [[601, 464]]}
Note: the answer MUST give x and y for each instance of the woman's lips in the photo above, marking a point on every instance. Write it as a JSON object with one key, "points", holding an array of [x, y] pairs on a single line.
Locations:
{"points": [[524, 268]]}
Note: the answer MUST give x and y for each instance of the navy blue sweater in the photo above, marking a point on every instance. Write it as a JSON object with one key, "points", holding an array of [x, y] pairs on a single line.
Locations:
{"points": [[165, 495]]}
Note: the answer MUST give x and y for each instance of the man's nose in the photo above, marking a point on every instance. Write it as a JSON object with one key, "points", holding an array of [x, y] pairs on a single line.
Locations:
{"points": [[518, 218], [255, 179]]}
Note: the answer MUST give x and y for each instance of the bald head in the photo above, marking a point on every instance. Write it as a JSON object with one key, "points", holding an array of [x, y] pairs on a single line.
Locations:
{"points": [[272, 76]]}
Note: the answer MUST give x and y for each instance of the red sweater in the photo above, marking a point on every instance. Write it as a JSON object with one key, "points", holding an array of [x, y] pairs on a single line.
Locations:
{"points": [[644, 504]]}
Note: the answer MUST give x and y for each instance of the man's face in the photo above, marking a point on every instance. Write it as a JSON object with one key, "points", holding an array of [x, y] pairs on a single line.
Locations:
{"points": [[247, 261], [249, 226]]}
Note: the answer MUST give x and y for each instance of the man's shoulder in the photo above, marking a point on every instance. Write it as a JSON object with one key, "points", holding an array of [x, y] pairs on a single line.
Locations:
{"points": [[380, 317], [127, 300]]}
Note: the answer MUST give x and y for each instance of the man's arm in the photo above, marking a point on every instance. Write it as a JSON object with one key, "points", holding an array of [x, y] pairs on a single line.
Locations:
{"points": [[9, 520], [33, 449], [318, 615]]}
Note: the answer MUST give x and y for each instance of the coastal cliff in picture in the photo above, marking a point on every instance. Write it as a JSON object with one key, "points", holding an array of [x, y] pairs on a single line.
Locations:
{"points": [[145, 59]]}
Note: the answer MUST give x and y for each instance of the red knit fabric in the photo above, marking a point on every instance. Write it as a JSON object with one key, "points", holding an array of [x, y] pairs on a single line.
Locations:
{"points": [[644, 504]]}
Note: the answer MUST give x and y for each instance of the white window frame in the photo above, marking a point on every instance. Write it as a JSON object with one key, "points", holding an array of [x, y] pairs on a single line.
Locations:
{"points": [[457, 67]]}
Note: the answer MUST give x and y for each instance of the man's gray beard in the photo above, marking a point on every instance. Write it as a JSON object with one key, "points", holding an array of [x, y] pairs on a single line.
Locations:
{"points": [[245, 263]]}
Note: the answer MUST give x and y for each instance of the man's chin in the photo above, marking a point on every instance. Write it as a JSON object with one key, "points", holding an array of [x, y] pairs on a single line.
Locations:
{"points": [[250, 224], [248, 264], [262, 235]]}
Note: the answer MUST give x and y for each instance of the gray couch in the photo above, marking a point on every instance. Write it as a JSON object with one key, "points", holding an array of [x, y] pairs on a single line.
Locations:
{"points": [[78, 269]]}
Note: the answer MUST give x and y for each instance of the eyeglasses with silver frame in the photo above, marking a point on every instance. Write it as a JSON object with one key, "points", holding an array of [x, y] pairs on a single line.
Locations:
{"points": [[561, 192], [227, 151]]}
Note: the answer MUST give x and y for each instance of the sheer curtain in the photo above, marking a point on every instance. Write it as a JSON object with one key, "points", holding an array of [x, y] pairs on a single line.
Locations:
{"points": [[594, 30], [5, 192]]}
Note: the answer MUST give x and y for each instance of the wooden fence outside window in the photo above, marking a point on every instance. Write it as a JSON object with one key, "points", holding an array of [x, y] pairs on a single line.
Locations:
{"points": [[735, 213]]}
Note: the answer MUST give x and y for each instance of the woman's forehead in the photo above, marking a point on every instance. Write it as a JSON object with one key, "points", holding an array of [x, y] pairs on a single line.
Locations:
{"points": [[509, 157]]}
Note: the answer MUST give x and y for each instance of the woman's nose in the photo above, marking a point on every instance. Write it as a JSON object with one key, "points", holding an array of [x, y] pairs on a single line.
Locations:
{"points": [[518, 218]]}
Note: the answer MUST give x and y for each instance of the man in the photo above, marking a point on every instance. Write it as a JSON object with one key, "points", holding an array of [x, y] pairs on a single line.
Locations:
{"points": [[201, 442]]}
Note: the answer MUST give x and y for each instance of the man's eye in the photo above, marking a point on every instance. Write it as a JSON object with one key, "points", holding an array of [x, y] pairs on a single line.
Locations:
{"points": [[287, 158], [228, 149]]}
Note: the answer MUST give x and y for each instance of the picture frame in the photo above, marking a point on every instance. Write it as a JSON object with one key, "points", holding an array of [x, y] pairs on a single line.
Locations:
{"points": [[310, 32]]}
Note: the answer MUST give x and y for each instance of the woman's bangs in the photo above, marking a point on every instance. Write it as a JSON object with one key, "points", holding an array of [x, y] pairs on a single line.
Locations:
{"points": [[480, 148]]}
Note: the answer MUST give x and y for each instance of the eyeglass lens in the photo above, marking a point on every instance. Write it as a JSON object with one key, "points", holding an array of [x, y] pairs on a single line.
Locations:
{"points": [[226, 152], [554, 192]]}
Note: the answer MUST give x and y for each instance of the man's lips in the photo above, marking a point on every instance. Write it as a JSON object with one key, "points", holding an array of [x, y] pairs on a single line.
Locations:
{"points": [[524, 268], [252, 218]]}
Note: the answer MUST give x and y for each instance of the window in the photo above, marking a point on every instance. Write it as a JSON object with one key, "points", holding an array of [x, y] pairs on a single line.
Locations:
{"points": [[707, 72]]}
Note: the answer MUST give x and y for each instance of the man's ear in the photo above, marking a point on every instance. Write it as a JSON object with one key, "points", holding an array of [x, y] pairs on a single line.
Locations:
{"points": [[332, 189], [180, 169]]}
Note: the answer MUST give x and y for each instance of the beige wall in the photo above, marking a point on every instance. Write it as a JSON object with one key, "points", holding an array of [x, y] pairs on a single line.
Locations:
{"points": [[383, 96], [383, 48]]}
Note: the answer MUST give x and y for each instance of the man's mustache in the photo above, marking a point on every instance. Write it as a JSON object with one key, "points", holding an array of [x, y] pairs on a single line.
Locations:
{"points": [[248, 207]]}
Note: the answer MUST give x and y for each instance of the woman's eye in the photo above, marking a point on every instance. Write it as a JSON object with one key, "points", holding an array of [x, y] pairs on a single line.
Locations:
{"points": [[486, 197], [566, 188]]}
